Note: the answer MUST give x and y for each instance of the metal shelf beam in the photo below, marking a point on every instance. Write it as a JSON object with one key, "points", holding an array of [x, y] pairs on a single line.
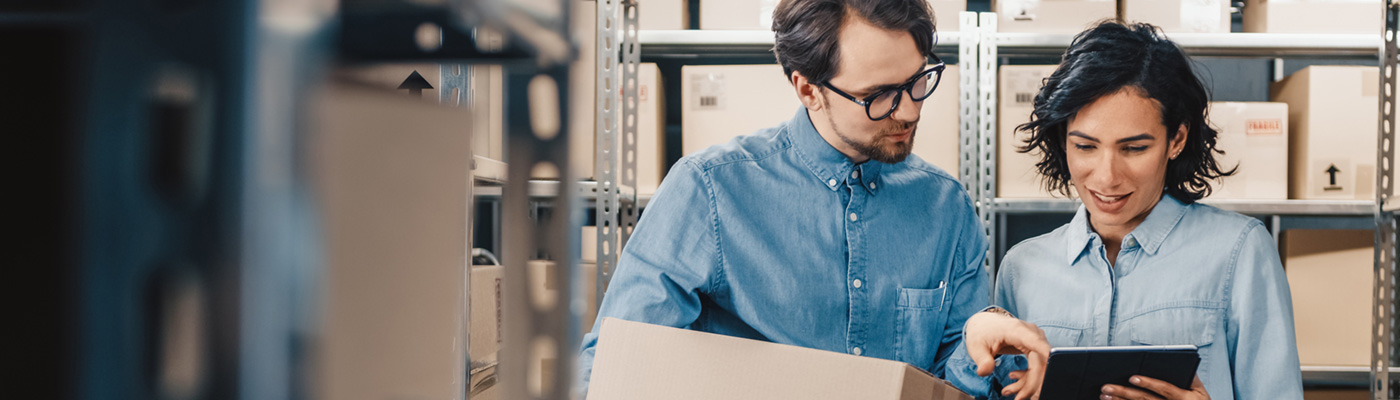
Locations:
{"points": [[1234, 44], [692, 43], [1252, 207]]}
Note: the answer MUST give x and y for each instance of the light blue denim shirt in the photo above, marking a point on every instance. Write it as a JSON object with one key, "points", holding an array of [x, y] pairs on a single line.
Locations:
{"points": [[1189, 274], [777, 236]]}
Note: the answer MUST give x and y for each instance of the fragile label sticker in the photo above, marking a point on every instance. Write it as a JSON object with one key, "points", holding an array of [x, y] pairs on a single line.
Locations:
{"points": [[1263, 126]]}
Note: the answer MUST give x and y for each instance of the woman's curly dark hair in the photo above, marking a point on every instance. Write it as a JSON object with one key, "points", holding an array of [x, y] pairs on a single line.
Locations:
{"points": [[1104, 60]]}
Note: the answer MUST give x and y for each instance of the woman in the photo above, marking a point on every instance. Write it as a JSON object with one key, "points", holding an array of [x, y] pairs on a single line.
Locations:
{"points": [[1122, 123]]}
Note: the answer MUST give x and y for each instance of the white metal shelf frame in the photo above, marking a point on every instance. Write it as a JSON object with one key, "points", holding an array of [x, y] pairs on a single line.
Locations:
{"points": [[1384, 384]]}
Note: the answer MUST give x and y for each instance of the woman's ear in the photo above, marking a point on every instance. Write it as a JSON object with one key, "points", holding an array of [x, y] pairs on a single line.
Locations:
{"points": [[1178, 143]]}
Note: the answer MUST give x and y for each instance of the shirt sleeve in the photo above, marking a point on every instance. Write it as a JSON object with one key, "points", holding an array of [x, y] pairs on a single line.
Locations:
{"points": [[970, 295], [1262, 345], [667, 264]]}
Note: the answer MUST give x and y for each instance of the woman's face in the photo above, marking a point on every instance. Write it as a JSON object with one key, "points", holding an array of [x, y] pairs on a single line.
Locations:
{"points": [[1117, 151]]}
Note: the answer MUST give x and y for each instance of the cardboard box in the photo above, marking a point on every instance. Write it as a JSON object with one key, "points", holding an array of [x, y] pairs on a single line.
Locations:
{"points": [[1016, 172], [544, 288], [1254, 137], [720, 102], [390, 180], [642, 361], [1330, 273], [1179, 16], [663, 15], [1332, 122], [651, 130], [1052, 16], [1313, 16], [485, 328], [487, 102], [758, 14], [486, 99]]}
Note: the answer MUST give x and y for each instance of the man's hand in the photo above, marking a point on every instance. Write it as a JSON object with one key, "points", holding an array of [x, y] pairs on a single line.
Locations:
{"points": [[989, 334], [1158, 390]]}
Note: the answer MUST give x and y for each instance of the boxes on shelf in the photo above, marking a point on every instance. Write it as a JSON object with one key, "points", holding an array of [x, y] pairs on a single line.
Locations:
{"points": [[391, 180], [643, 361], [485, 326], [545, 292], [1313, 16], [663, 15], [758, 14], [488, 110], [1330, 274], [1016, 171], [1254, 137], [651, 130], [1051, 16], [719, 102], [1179, 16], [714, 109], [486, 98], [737, 14], [1332, 122], [946, 14]]}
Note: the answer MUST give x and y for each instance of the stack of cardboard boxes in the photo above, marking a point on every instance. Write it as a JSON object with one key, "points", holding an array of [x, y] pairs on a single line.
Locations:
{"points": [[758, 14], [720, 102]]}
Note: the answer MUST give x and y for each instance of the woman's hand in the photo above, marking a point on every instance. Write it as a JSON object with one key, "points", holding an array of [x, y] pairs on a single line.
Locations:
{"points": [[1156, 389]]}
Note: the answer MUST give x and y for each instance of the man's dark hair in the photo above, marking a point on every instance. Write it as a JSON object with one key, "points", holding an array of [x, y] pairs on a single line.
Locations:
{"points": [[806, 30], [1104, 60]]}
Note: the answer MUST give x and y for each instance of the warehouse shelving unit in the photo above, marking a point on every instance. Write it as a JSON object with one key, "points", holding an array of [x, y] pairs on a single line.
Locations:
{"points": [[1283, 214], [981, 47]]}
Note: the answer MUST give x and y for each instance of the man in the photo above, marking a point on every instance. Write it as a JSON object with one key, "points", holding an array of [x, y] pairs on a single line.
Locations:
{"points": [[824, 231]]}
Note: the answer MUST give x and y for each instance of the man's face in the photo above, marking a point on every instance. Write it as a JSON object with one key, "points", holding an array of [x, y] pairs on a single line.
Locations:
{"points": [[872, 59]]}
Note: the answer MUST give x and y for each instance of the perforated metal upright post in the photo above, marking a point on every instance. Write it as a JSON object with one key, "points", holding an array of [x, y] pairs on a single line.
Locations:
{"points": [[627, 206], [609, 94], [987, 129], [537, 133], [1383, 355], [968, 36]]}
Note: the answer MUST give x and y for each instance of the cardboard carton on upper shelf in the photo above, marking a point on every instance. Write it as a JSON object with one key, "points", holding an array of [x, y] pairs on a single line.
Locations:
{"points": [[1332, 113], [1313, 16], [1051, 16], [720, 102], [1179, 16]]}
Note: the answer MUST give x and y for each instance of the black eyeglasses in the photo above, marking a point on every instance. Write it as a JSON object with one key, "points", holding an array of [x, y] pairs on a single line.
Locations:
{"points": [[880, 105]]}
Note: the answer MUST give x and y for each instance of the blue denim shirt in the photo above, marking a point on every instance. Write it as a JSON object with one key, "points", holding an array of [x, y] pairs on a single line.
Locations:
{"points": [[777, 236], [1189, 274]]}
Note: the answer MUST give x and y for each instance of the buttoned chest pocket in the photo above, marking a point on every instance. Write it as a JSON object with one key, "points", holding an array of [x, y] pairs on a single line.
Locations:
{"points": [[1062, 334], [1177, 326], [919, 325]]}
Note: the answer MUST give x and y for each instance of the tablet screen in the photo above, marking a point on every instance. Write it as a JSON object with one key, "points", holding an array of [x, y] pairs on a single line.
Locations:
{"points": [[1080, 372]]}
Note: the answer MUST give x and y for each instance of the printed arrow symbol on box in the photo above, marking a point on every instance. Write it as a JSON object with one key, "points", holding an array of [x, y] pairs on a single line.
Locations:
{"points": [[1332, 173], [415, 84]]}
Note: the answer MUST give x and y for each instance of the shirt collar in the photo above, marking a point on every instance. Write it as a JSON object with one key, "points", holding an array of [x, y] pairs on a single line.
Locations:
{"points": [[1149, 235], [826, 163]]}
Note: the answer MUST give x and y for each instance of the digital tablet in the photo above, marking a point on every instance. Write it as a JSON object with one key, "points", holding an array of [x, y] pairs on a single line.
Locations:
{"points": [[1077, 373]]}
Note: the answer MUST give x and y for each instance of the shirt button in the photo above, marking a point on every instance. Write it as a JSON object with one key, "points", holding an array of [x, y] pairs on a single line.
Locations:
{"points": [[855, 351], [1130, 242], [831, 182], [872, 185], [855, 174], [853, 217], [856, 283]]}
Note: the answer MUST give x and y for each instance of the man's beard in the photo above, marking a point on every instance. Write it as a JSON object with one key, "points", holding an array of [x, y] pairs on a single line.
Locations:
{"points": [[880, 148]]}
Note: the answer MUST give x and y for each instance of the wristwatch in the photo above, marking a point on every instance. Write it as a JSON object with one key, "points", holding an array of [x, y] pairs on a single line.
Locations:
{"points": [[998, 310]]}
